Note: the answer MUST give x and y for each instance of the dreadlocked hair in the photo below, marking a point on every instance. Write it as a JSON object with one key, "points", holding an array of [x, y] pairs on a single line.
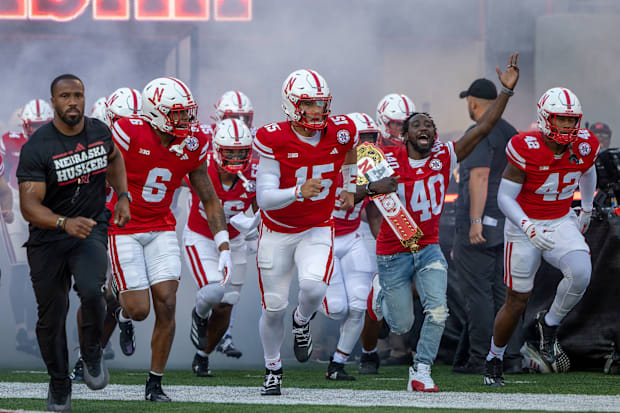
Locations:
{"points": [[406, 123]]}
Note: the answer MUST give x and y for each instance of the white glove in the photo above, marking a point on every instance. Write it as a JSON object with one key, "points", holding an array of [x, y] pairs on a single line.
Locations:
{"points": [[225, 266], [583, 220], [245, 221], [251, 240], [539, 236]]}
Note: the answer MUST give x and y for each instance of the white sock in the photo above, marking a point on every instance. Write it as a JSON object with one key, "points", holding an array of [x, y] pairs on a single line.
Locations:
{"points": [[122, 318], [340, 357], [301, 320], [273, 364], [374, 350], [496, 351], [201, 353]]}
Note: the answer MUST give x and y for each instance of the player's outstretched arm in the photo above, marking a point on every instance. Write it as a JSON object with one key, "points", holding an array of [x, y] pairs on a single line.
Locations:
{"points": [[464, 146], [203, 187], [117, 178]]}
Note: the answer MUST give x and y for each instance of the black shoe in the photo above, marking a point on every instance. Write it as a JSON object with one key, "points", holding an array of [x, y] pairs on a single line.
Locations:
{"points": [[494, 375], [544, 354], [198, 332], [302, 341], [77, 375], [369, 363], [127, 339], [335, 371], [273, 381], [200, 366], [227, 347], [95, 372], [471, 367], [154, 392], [59, 397]]}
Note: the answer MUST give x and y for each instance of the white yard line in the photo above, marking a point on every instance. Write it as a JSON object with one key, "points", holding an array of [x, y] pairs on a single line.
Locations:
{"points": [[336, 397]]}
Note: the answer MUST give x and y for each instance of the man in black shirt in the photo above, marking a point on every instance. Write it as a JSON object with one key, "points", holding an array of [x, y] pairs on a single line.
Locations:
{"points": [[479, 243], [62, 176]]}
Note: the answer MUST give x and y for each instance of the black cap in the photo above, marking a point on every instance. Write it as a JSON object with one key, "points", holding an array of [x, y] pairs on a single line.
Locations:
{"points": [[481, 88], [600, 127]]}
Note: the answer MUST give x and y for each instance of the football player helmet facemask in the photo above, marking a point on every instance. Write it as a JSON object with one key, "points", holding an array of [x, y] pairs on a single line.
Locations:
{"points": [[35, 114], [392, 111], [366, 127], [235, 104], [302, 88], [232, 143], [168, 105], [124, 102], [559, 101]]}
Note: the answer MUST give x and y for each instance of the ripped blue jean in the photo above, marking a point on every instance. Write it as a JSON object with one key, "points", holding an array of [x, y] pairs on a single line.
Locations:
{"points": [[428, 270]]}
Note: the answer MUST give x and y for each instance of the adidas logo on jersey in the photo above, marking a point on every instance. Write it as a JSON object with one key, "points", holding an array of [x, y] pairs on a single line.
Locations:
{"points": [[243, 195], [334, 152], [419, 171], [184, 157], [79, 147]]}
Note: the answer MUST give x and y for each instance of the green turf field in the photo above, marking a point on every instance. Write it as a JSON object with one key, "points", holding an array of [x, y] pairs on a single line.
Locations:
{"points": [[311, 376]]}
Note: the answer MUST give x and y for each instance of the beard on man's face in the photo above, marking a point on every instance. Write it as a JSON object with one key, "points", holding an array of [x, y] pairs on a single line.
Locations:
{"points": [[72, 118], [421, 149]]}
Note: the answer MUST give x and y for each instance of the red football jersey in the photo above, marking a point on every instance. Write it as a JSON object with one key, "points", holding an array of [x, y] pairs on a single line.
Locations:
{"points": [[550, 180], [300, 161], [421, 189], [389, 149], [10, 146], [234, 200], [347, 221], [207, 130], [153, 174]]}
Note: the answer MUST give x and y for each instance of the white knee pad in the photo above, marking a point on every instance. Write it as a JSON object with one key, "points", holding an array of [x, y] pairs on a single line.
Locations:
{"points": [[232, 294], [335, 307], [207, 297], [312, 290]]}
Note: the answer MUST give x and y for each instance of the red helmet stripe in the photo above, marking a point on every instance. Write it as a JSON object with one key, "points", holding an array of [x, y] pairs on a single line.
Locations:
{"points": [[406, 104], [567, 98], [316, 79], [239, 99], [38, 109], [236, 129], [187, 92], [135, 101]]}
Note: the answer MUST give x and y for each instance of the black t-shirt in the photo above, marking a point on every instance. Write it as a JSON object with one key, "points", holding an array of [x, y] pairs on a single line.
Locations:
{"points": [[74, 171], [489, 153]]}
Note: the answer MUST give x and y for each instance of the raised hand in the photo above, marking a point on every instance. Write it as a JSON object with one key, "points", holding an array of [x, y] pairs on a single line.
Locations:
{"points": [[510, 77]]}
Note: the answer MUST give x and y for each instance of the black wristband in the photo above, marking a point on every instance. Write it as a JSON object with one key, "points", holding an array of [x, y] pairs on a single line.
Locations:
{"points": [[125, 194]]}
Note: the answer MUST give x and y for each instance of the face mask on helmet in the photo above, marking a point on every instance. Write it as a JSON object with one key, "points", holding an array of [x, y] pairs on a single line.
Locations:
{"points": [[235, 105], [559, 115], [232, 143], [392, 111], [306, 99], [169, 106], [313, 112]]}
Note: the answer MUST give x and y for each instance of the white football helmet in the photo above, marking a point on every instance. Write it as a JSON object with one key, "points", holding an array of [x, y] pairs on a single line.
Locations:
{"points": [[232, 145], [124, 102], [99, 110], [35, 114], [366, 127], [235, 104], [306, 87], [392, 111], [169, 106], [559, 101]]}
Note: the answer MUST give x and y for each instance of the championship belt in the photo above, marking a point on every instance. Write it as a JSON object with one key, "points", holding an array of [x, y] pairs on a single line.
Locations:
{"points": [[371, 167]]}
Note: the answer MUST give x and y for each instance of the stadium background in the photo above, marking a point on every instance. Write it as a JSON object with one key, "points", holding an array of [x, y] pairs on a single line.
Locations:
{"points": [[427, 49]]}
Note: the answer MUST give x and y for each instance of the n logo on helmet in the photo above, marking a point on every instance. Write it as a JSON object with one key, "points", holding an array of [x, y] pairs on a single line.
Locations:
{"points": [[157, 96], [290, 84]]}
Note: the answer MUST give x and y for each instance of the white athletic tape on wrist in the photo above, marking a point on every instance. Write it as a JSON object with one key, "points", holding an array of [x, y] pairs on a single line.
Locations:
{"points": [[349, 175], [220, 238]]}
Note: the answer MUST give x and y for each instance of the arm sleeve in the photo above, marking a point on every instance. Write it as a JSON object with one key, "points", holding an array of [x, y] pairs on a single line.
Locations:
{"points": [[587, 185], [31, 167], [507, 201], [269, 196]]}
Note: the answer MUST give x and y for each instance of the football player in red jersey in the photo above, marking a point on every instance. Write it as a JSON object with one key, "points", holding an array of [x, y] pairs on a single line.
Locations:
{"points": [[545, 167], [33, 115], [159, 152], [425, 165], [300, 161], [230, 172]]}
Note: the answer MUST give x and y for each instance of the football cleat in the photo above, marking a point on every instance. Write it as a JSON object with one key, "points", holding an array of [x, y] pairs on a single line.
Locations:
{"points": [[77, 375], [302, 341], [369, 363], [96, 375], [420, 379], [544, 355], [153, 392], [335, 371], [227, 347], [372, 304], [273, 381], [198, 332], [200, 366], [127, 338], [494, 375]]}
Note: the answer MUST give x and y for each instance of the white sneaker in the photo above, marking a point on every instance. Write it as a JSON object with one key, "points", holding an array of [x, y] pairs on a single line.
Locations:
{"points": [[372, 303], [421, 380]]}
